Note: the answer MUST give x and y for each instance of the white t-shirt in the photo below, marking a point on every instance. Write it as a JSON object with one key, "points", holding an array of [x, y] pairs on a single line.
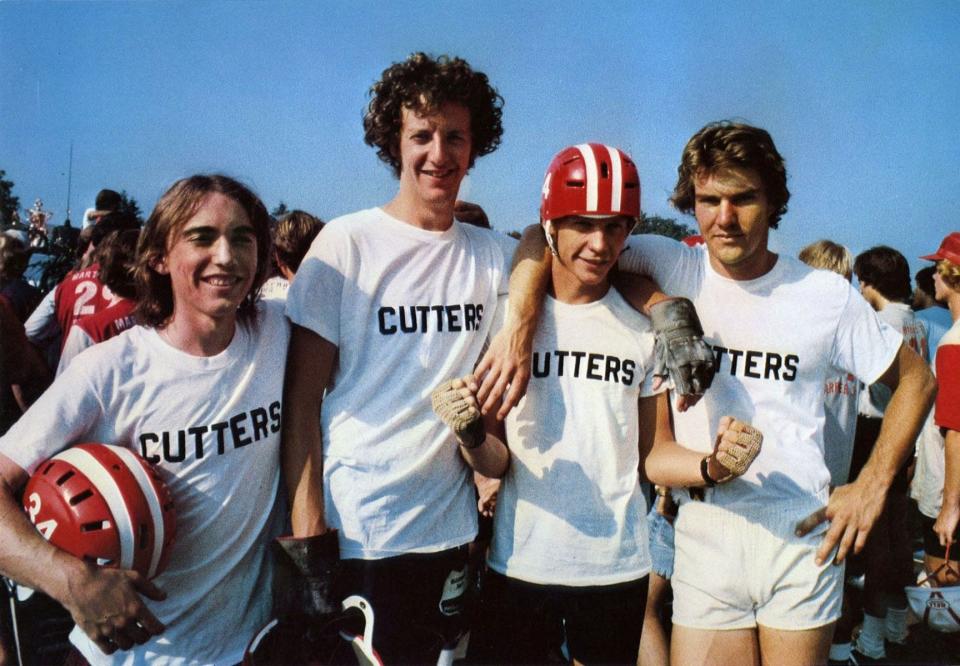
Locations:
{"points": [[873, 402], [570, 509], [775, 339], [211, 428], [275, 289], [928, 479], [407, 309]]}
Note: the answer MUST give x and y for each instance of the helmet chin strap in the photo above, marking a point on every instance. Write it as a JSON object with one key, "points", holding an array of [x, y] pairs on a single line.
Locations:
{"points": [[548, 232]]}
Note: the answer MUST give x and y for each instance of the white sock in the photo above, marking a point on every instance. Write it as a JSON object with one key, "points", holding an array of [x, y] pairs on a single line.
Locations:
{"points": [[840, 651], [895, 625], [870, 640]]}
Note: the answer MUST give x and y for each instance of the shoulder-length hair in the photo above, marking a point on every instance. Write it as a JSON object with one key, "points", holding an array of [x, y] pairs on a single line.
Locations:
{"points": [[174, 209]]}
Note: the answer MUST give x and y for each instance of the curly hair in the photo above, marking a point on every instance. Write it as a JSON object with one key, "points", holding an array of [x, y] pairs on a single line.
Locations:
{"points": [[172, 212], [423, 84], [730, 145], [293, 236], [949, 273]]}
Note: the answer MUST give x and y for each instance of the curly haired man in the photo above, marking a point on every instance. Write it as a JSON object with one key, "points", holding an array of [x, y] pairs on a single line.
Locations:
{"points": [[388, 303]]}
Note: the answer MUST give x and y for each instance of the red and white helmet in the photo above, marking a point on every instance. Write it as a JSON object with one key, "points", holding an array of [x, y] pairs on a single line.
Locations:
{"points": [[104, 504], [590, 179]]}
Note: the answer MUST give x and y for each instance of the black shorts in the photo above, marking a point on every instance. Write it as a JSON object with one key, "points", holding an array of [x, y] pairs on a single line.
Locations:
{"points": [[418, 601], [868, 429], [931, 542], [524, 623]]}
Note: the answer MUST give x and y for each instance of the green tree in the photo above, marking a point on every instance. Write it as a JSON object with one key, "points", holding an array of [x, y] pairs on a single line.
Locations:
{"points": [[9, 204], [60, 258], [663, 226], [129, 205]]}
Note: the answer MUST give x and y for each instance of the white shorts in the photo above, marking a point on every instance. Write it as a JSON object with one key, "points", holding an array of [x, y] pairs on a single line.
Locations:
{"points": [[736, 571]]}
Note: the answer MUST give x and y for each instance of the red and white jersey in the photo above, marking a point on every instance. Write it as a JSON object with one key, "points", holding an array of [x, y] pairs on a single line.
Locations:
{"points": [[81, 294], [947, 413], [100, 326]]}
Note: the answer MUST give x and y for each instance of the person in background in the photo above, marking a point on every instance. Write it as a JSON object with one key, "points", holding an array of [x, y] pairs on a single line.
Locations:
{"points": [[292, 237], [842, 390], [117, 260], [884, 278], [14, 257], [928, 310], [939, 493]]}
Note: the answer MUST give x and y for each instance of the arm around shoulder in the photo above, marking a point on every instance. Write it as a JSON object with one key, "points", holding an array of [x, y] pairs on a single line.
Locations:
{"points": [[506, 364]]}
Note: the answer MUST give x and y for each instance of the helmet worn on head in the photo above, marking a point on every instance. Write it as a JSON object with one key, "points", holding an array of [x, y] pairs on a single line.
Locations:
{"points": [[104, 504], [590, 179]]}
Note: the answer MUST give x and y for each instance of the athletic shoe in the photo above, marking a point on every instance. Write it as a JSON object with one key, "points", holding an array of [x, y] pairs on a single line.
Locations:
{"points": [[857, 658]]}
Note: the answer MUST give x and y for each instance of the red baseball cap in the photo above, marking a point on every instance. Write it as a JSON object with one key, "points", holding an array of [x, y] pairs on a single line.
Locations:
{"points": [[949, 250]]}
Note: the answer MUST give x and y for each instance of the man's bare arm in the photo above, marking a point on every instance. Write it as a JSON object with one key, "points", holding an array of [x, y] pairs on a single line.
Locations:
{"points": [[310, 364], [638, 290], [668, 463], [504, 369], [480, 437], [694, 374], [105, 603], [949, 516], [854, 508], [681, 351]]}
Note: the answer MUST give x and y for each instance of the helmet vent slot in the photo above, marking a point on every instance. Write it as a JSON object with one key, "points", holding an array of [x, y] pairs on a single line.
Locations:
{"points": [[630, 186], [46, 470], [604, 170], [574, 183], [65, 477], [94, 526], [142, 536], [79, 497]]}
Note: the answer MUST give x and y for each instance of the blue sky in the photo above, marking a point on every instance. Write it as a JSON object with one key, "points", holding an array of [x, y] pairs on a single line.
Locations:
{"points": [[862, 99]]}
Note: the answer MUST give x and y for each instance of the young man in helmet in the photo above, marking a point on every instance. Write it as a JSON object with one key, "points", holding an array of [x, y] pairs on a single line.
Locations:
{"points": [[569, 558], [776, 327]]}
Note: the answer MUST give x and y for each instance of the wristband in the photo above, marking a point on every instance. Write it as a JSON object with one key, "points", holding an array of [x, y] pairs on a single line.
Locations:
{"points": [[710, 483], [479, 442]]}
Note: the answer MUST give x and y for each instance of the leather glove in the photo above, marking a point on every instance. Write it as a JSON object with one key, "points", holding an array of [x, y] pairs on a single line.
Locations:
{"points": [[680, 350], [305, 572]]}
